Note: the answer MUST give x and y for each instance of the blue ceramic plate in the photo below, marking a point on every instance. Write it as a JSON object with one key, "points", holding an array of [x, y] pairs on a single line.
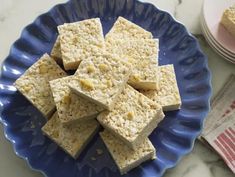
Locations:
{"points": [[175, 135]]}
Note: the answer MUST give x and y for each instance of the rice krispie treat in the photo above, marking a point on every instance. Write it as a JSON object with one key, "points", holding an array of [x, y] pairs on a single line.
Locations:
{"points": [[145, 75], [168, 95], [135, 49], [56, 51], [79, 41], [123, 29], [133, 118], [143, 56], [228, 19], [34, 84], [101, 79], [125, 157], [70, 106], [73, 138]]}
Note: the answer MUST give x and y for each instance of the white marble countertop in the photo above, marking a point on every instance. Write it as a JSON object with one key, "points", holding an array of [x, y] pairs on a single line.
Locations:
{"points": [[201, 161]]}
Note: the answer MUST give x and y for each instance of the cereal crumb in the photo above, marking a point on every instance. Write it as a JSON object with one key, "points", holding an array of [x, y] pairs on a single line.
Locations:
{"points": [[90, 68], [32, 125], [87, 84], [43, 69], [130, 115], [136, 78], [109, 83], [103, 67], [67, 99], [93, 158], [99, 151]]}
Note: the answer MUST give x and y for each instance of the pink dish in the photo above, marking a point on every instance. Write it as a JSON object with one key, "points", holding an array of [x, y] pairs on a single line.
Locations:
{"points": [[213, 10]]}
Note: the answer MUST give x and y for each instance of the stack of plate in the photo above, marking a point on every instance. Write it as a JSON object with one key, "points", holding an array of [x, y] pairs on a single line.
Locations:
{"points": [[216, 35]]}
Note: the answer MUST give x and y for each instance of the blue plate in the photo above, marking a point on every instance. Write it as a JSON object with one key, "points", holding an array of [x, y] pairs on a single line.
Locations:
{"points": [[175, 135]]}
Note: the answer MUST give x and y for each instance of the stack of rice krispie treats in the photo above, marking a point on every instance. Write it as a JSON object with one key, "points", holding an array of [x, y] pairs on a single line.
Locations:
{"points": [[117, 84]]}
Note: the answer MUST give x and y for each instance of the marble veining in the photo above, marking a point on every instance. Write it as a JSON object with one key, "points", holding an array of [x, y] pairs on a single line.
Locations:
{"points": [[4, 10], [202, 161], [181, 9]]}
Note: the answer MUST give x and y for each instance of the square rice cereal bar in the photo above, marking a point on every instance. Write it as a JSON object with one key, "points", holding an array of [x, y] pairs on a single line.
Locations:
{"points": [[133, 118], [123, 29], [125, 157], [168, 95], [56, 51], [145, 75], [101, 79], [228, 19], [135, 49], [79, 41], [34, 84], [143, 55], [73, 138], [70, 106]]}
